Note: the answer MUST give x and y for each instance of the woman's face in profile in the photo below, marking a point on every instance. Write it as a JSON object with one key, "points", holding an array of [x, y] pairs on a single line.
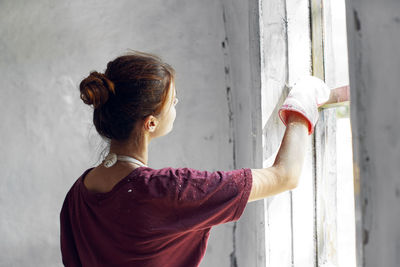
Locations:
{"points": [[168, 114]]}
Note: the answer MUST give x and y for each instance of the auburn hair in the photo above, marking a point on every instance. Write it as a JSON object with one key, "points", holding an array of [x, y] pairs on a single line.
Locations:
{"points": [[133, 87]]}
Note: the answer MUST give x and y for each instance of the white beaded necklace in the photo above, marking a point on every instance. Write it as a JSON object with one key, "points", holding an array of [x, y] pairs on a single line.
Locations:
{"points": [[112, 158]]}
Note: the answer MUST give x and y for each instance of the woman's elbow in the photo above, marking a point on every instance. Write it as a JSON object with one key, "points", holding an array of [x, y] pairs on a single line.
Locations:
{"points": [[291, 182], [290, 176]]}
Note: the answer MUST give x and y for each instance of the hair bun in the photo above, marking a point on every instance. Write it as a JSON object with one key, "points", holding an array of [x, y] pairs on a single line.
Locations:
{"points": [[95, 89]]}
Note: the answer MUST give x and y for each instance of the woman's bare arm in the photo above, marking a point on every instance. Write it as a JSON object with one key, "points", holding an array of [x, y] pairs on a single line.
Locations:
{"points": [[285, 172]]}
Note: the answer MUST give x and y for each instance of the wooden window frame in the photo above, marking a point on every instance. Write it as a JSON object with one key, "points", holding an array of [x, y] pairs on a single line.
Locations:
{"points": [[300, 226]]}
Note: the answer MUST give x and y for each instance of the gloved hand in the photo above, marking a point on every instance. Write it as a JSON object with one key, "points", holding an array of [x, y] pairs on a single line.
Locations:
{"points": [[306, 95]]}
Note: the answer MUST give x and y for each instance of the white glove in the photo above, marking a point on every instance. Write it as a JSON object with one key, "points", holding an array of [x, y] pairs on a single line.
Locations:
{"points": [[306, 95]]}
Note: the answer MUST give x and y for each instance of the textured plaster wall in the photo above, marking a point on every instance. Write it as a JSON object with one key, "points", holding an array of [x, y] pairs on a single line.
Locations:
{"points": [[374, 40], [46, 48]]}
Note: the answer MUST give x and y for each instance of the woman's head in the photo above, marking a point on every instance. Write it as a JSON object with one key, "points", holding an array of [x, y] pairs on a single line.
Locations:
{"points": [[135, 94]]}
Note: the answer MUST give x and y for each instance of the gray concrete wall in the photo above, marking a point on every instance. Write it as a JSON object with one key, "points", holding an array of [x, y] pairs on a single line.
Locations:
{"points": [[48, 140], [374, 63]]}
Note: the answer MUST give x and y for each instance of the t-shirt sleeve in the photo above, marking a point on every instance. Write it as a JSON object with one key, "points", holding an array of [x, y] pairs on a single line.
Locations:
{"points": [[202, 199]]}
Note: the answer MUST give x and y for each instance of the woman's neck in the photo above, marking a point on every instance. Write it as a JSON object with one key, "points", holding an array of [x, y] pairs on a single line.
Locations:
{"points": [[129, 148]]}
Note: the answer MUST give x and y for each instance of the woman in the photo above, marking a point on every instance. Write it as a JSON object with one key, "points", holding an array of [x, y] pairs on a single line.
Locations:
{"points": [[124, 213]]}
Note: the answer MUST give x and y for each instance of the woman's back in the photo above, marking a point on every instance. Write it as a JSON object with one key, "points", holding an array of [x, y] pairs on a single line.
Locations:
{"points": [[150, 217], [102, 180]]}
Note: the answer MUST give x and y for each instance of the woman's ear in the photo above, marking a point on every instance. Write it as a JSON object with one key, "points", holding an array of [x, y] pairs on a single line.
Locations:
{"points": [[150, 123]]}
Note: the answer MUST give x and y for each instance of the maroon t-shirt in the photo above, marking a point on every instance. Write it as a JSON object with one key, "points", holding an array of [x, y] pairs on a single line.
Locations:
{"points": [[151, 217]]}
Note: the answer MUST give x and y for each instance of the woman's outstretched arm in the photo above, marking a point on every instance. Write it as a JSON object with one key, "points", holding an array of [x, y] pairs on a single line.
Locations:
{"points": [[285, 172], [299, 112]]}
